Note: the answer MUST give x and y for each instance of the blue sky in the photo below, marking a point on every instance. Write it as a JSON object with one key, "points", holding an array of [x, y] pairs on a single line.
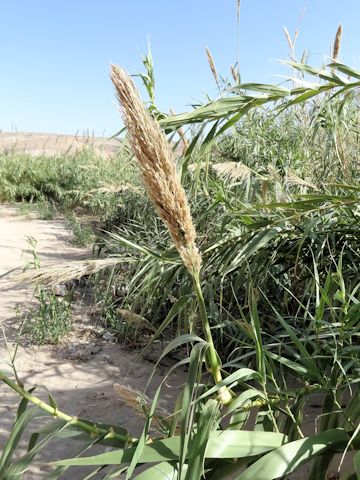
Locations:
{"points": [[55, 54]]}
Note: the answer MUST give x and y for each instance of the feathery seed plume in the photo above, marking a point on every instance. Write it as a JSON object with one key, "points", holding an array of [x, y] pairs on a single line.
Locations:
{"points": [[212, 65], [292, 179], [160, 177], [197, 166], [337, 42], [232, 170], [56, 273], [288, 38], [234, 73], [292, 42]]}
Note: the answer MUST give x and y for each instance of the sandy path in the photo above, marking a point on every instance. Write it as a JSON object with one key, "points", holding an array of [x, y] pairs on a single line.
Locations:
{"points": [[84, 388]]}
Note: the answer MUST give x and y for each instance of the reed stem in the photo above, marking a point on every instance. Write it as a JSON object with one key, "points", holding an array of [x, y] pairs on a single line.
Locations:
{"points": [[92, 429], [211, 354]]}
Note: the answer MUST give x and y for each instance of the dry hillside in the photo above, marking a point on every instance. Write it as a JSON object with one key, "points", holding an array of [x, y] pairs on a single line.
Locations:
{"points": [[53, 144]]}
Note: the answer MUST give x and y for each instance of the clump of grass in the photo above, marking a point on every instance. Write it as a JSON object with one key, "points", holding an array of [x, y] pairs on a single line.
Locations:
{"points": [[51, 320], [65, 182], [83, 234], [45, 210], [25, 209]]}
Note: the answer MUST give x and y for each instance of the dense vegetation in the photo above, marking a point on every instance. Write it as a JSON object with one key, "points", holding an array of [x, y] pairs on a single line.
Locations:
{"points": [[83, 180], [272, 180]]}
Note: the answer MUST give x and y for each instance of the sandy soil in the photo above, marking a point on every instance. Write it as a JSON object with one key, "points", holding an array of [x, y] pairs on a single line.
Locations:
{"points": [[82, 384], [52, 144]]}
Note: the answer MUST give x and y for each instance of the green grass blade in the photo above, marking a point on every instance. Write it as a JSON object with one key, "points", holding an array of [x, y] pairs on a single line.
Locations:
{"points": [[357, 464], [289, 457], [23, 418], [187, 409], [199, 441], [221, 444], [174, 311], [162, 471]]}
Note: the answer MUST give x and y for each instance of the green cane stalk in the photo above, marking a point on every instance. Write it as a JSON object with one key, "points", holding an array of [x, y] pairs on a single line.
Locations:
{"points": [[92, 429], [212, 357]]}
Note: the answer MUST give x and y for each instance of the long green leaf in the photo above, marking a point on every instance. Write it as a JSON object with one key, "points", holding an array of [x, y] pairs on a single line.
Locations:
{"points": [[187, 409], [163, 471], [357, 464], [199, 441], [289, 457], [23, 418], [222, 444], [174, 311], [241, 375]]}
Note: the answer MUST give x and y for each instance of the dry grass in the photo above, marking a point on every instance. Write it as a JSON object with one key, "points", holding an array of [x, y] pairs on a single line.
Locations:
{"points": [[273, 173], [232, 171], [292, 179], [108, 188], [140, 404], [52, 275], [132, 398], [155, 158]]}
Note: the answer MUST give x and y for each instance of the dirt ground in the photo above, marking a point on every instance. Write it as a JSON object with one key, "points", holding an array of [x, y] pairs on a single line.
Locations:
{"points": [[81, 381]]}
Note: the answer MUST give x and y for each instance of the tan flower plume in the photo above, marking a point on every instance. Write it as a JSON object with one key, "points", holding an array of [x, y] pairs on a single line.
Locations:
{"points": [[160, 177]]}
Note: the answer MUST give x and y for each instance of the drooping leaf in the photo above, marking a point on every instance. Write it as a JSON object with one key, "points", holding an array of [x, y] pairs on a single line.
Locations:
{"points": [[289, 457], [222, 444]]}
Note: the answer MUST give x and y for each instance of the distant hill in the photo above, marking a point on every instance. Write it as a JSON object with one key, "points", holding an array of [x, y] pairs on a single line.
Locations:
{"points": [[51, 144]]}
